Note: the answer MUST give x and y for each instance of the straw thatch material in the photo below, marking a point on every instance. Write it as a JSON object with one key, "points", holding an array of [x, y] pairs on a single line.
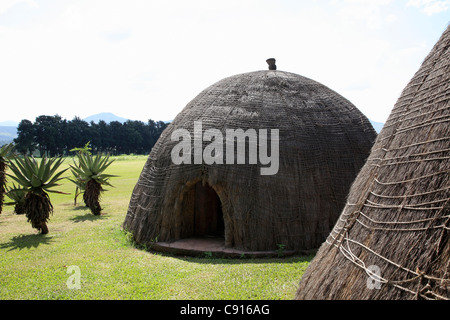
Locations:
{"points": [[392, 238], [323, 142]]}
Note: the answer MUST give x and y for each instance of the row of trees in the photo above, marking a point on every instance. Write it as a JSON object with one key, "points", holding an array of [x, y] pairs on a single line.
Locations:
{"points": [[52, 136]]}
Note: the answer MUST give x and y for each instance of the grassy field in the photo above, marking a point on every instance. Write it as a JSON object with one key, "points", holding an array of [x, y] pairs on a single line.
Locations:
{"points": [[35, 266]]}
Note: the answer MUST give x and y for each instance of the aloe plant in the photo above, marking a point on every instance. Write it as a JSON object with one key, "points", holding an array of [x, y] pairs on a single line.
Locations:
{"points": [[17, 197], [80, 185], [37, 179], [5, 154], [90, 178]]}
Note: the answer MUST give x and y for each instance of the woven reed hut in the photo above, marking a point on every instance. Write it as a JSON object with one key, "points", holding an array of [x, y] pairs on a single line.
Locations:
{"points": [[392, 238], [323, 142]]}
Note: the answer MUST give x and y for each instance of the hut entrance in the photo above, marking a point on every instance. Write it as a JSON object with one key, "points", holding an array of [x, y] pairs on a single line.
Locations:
{"points": [[208, 216], [202, 213]]}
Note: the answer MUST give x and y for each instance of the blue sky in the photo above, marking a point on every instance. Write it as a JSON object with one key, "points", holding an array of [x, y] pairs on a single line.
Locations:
{"points": [[143, 59]]}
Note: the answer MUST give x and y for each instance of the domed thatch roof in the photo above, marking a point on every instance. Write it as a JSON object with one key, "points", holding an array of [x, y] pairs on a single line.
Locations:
{"points": [[392, 240], [323, 142]]}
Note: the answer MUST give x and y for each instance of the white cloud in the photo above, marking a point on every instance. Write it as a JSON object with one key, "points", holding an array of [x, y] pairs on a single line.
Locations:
{"points": [[5, 5], [148, 59], [430, 7], [386, 79], [368, 12]]}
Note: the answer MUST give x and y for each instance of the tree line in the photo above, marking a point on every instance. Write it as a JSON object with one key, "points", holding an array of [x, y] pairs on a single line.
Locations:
{"points": [[53, 136]]}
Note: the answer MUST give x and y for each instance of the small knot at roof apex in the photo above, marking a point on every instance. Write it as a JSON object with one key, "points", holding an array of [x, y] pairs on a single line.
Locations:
{"points": [[271, 63]]}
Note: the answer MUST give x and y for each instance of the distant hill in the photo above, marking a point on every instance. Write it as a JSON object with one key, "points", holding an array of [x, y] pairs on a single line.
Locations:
{"points": [[105, 116], [9, 123], [109, 117], [7, 134], [377, 125]]}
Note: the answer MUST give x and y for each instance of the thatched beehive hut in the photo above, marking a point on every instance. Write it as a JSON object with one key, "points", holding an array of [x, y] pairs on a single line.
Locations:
{"points": [[323, 142], [392, 240]]}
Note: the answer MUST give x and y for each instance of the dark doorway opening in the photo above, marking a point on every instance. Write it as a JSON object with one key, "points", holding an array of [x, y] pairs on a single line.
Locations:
{"points": [[208, 215]]}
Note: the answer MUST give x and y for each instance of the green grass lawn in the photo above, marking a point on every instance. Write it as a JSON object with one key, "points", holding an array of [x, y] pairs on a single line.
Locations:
{"points": [[35, 266]]}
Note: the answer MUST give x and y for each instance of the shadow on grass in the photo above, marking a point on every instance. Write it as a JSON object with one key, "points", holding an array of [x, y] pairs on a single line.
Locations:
{"points": [[87, 217], [26, 241], [76, 207], [205, 258], [212, 258]]}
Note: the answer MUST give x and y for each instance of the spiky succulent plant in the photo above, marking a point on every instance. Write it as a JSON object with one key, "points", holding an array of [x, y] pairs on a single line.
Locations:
{"points": [[17, 197], [79, 189], [5, 154], [37, 179], [89, 176]]}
